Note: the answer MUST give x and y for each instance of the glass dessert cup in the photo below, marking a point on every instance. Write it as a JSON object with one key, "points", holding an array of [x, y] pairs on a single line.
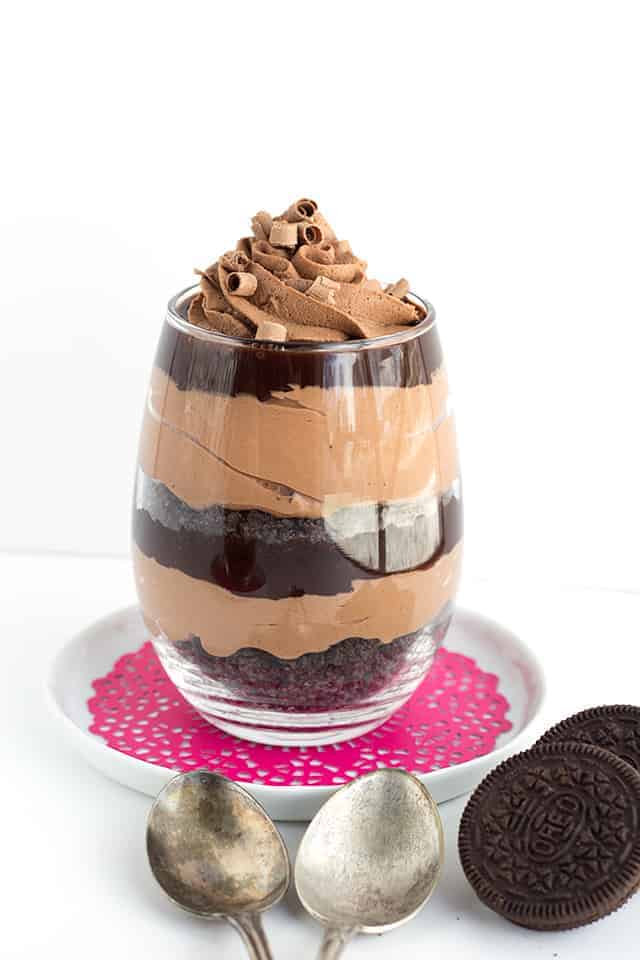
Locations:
{"points": [[297, 525]]}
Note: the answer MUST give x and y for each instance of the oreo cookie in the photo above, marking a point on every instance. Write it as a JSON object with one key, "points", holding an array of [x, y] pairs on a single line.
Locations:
{"points": [[615, 728], [551, 839]]}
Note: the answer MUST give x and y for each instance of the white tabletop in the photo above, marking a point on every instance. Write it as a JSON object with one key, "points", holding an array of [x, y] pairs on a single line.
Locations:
{"points": [[74, 869]]}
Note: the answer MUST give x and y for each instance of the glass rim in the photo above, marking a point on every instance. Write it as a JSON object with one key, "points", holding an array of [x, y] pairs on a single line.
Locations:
{"points": [[174, 318]]}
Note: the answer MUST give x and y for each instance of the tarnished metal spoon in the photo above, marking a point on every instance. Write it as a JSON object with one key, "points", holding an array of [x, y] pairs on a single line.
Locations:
{"points": [[216, 853], [371, 857]]}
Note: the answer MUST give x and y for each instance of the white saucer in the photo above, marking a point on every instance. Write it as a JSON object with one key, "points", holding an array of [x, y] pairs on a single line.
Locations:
{"points": [[93, 652]]}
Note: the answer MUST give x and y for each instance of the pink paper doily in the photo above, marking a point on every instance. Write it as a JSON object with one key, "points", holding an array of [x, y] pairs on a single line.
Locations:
{"points": [[455, 715]]}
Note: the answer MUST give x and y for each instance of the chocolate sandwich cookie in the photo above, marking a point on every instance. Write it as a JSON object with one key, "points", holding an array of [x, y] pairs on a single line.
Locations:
{"points": [[551, 839], [614, 728]]}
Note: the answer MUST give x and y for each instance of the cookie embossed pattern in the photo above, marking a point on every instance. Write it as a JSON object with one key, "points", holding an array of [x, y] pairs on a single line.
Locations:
{"points": [[551, 839], [615, 728]]}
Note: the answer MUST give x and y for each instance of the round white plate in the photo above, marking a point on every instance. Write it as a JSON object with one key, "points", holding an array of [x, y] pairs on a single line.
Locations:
{"points": [[92, 653]]}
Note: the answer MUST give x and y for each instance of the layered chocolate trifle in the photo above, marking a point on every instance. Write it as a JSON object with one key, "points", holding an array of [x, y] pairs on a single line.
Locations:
{"points": [[297, 522]]}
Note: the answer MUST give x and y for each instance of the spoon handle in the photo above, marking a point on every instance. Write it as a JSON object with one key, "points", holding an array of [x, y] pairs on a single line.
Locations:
{"points": [[334, 942], [249, 926]]}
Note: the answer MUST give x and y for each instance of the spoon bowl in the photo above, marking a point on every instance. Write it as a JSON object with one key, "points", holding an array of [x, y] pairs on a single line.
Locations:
{"points": [[216, 853], [371, 857]]}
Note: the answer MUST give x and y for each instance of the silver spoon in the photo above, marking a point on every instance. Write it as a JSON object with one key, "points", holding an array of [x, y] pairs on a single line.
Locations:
{"points": [[216, 853], [371, 857]]}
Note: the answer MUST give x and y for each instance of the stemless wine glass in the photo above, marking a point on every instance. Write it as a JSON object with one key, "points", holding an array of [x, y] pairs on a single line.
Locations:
{"points": [[297, 525]]}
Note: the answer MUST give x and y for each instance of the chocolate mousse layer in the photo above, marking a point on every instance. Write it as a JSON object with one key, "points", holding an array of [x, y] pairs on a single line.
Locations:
{"points": [[177, 606], [302, 452]]}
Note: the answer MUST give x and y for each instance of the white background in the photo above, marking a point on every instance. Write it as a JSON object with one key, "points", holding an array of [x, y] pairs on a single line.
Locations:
{"points": [[488, 151]]}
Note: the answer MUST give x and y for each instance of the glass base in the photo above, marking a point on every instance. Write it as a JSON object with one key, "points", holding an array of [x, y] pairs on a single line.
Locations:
{"points": [[242, 694], [297, 737], [284, 727]]}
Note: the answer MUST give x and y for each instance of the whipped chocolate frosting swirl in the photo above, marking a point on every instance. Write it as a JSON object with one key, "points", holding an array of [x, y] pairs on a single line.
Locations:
{"points": [[294, 280]]}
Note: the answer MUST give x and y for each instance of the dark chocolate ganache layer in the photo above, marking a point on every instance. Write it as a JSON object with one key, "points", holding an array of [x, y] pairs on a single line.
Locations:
{"points": [[252, 552], [193, 364]]}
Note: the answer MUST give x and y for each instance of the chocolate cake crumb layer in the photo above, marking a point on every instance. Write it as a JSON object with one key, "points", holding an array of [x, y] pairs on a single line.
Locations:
{"points": [[346, 674], [304, 452]]}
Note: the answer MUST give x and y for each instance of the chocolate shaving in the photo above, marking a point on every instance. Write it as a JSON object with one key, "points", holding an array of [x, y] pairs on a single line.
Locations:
{"points": [[399, 289], [324, 289], [242, 284], [283, 234], [261, 225], [235, 260], [302, 209], [310, 233], [267, 330]]}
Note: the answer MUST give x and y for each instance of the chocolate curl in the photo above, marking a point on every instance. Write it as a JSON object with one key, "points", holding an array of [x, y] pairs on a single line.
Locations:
{"points": [[244, 307], [343, 248], [235, 260], [283, 234], [399, 289], [261, 225], [326, 228], [302, 209], [310, 233], [268, 330], [242, 284], [308, 206], [324, 290]]}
